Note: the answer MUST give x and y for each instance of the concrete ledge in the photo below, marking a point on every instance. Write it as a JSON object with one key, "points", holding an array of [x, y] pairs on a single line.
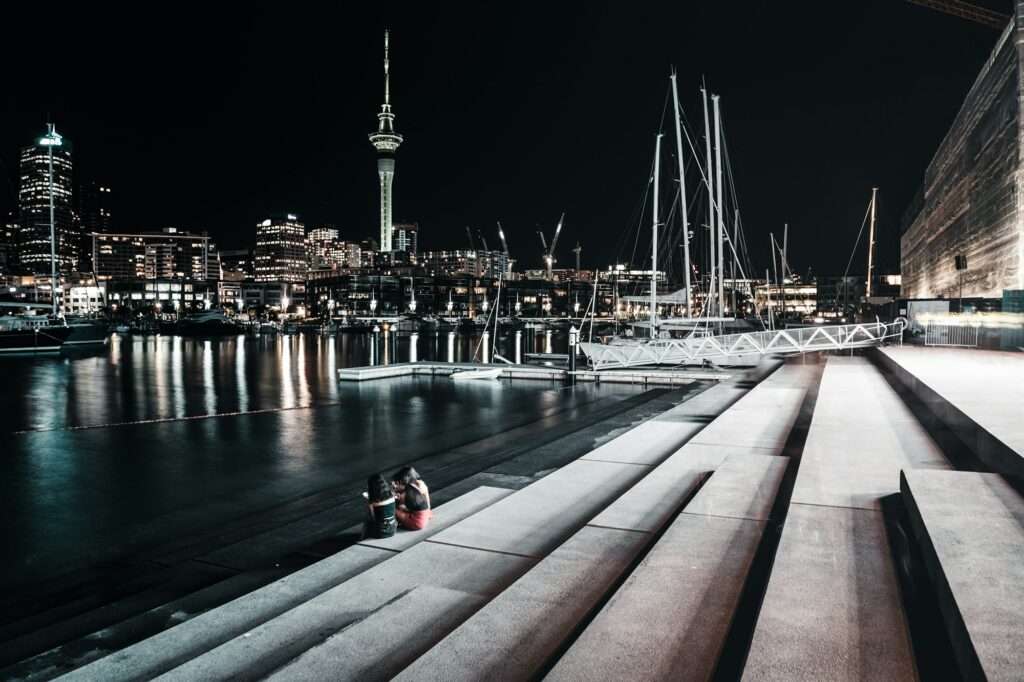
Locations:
{"points": [[531, 619], [262, 650], [832, 610], [970, 528], [670, 618], [364, 650], [977, 394], [209, 630]]}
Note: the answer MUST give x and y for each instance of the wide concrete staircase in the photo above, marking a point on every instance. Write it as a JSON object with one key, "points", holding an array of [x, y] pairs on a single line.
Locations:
{"points": [[749, 532]]}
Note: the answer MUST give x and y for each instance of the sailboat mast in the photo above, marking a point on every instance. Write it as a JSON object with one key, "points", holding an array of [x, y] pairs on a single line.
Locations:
{"points": [[682, 196], [720, 229], [654, 238], [871, 239], [711, 203], [53, 228]]}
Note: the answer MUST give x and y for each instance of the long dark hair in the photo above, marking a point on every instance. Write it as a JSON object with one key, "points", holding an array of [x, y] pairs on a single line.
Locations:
{"points": [[405, 476], [378, 489]]}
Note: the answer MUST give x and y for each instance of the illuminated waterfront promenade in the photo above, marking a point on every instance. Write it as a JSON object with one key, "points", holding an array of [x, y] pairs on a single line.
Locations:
{"points": [[828, 490]]}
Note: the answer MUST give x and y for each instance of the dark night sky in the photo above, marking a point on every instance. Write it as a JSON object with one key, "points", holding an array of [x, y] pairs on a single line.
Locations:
{"points": [[210, 118]]}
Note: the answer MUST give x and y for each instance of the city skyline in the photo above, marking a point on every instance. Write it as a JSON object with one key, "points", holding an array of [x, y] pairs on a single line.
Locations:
{"points": [[482, 117]]}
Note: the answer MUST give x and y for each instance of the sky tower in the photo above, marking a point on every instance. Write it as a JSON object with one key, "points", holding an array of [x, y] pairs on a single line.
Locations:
{"points": [[385, 140]]}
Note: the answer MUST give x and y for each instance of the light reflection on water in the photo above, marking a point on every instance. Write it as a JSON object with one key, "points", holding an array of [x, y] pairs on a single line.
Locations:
{"points": [[70, 498]]}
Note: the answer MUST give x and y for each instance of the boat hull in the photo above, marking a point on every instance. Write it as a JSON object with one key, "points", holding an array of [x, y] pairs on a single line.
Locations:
{"points": [[40, 340], [88, 333]]}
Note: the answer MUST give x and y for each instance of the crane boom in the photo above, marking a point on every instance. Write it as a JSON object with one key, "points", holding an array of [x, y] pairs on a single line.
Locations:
{"points": [[480, 234], [472, 246], [557, 231], [966, 10], [543, 241], [501, 233]]}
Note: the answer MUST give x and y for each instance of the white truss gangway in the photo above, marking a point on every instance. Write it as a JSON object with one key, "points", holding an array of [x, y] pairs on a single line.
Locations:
{"points": [[738, 348]]}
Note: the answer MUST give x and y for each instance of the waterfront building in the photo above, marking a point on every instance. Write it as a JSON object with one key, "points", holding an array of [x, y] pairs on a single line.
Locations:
{"points": [[386, 141], [280, 254], [161, 294], [970, 202], [165, 254], [237, 264], [405, 237], [32, 242]]}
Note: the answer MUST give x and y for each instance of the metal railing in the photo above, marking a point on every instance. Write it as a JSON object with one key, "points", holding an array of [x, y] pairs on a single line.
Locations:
{"points": [[721, 349], [951, 335]]}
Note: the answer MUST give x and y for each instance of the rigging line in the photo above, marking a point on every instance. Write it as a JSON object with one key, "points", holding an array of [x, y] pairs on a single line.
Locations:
{"points": [[855, 245]]}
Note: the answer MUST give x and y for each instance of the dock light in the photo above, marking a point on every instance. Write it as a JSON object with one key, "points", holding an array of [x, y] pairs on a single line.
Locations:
{"points": [[157, 307], [451, 305], [239, 303], [13, 290], [284, 303], [412, 306]]}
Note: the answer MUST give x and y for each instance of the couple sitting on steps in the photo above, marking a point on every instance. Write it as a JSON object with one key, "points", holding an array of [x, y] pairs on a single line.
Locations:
{"points": [[405, 501]]}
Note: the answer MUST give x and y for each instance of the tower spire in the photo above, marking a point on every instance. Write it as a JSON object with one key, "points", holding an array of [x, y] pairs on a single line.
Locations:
{"points": [[387, 78], [386, 141]]}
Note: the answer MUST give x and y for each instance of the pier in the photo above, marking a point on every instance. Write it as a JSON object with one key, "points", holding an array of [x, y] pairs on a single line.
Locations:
{"points": [[645, 376], [832, 517]]}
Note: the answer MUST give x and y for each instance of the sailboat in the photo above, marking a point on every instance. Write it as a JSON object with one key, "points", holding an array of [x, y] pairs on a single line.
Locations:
{"points": [[659, 347]]}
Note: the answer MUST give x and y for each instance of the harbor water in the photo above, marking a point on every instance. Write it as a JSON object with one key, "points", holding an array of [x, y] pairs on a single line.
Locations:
{"points": [[150, 439]]}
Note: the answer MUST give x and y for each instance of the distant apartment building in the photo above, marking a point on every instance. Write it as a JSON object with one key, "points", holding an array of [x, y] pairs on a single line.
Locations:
{"points": [[32, 241], [167, 255], [478, 263], [405, 237], [280, 254]]}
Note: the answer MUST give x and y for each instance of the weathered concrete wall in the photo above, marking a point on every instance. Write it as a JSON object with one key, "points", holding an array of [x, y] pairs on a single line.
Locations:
{"points": [[971, 201]]}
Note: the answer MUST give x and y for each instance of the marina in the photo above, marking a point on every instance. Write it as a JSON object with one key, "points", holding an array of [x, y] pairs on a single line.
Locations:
{"points": [[412, 342]]}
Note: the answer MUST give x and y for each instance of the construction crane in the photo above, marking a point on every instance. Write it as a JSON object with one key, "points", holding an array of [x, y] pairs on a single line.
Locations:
{"points": [[578, 250], [966, 10], [549, 253]]}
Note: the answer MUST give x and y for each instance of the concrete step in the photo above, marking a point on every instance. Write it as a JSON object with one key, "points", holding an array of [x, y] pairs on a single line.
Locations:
{"points": [[170, 648], [670, 618], [832, 607], [177, 582], [64, 658], [480, 556], [970, 529], [532, 619]]}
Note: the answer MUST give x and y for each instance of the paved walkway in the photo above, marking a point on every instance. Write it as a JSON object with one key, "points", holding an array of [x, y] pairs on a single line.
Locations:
{"points": [[987, 386]]}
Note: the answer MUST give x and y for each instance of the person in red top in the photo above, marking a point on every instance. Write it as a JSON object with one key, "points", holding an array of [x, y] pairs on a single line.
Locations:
{"points": [[413, 511]]}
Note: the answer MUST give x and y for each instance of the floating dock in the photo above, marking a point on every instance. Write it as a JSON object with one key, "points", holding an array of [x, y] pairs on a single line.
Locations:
{"points": [[647, 377]]}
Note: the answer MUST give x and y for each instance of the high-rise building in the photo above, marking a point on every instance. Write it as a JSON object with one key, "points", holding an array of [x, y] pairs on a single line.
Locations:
{"points": [[477, 263], [280, 254], [405, 237], [167, 254], [92, 214], [237, 264], [320, 242], [32, 243], [94, 206], [386, 141]]}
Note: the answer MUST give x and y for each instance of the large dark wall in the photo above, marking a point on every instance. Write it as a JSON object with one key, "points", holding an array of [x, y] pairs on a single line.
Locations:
{"points": [[970, 198]]}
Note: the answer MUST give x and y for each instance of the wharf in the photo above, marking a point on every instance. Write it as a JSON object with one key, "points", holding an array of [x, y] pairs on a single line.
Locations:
{"points": [[804, 522], [647, 377]]}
